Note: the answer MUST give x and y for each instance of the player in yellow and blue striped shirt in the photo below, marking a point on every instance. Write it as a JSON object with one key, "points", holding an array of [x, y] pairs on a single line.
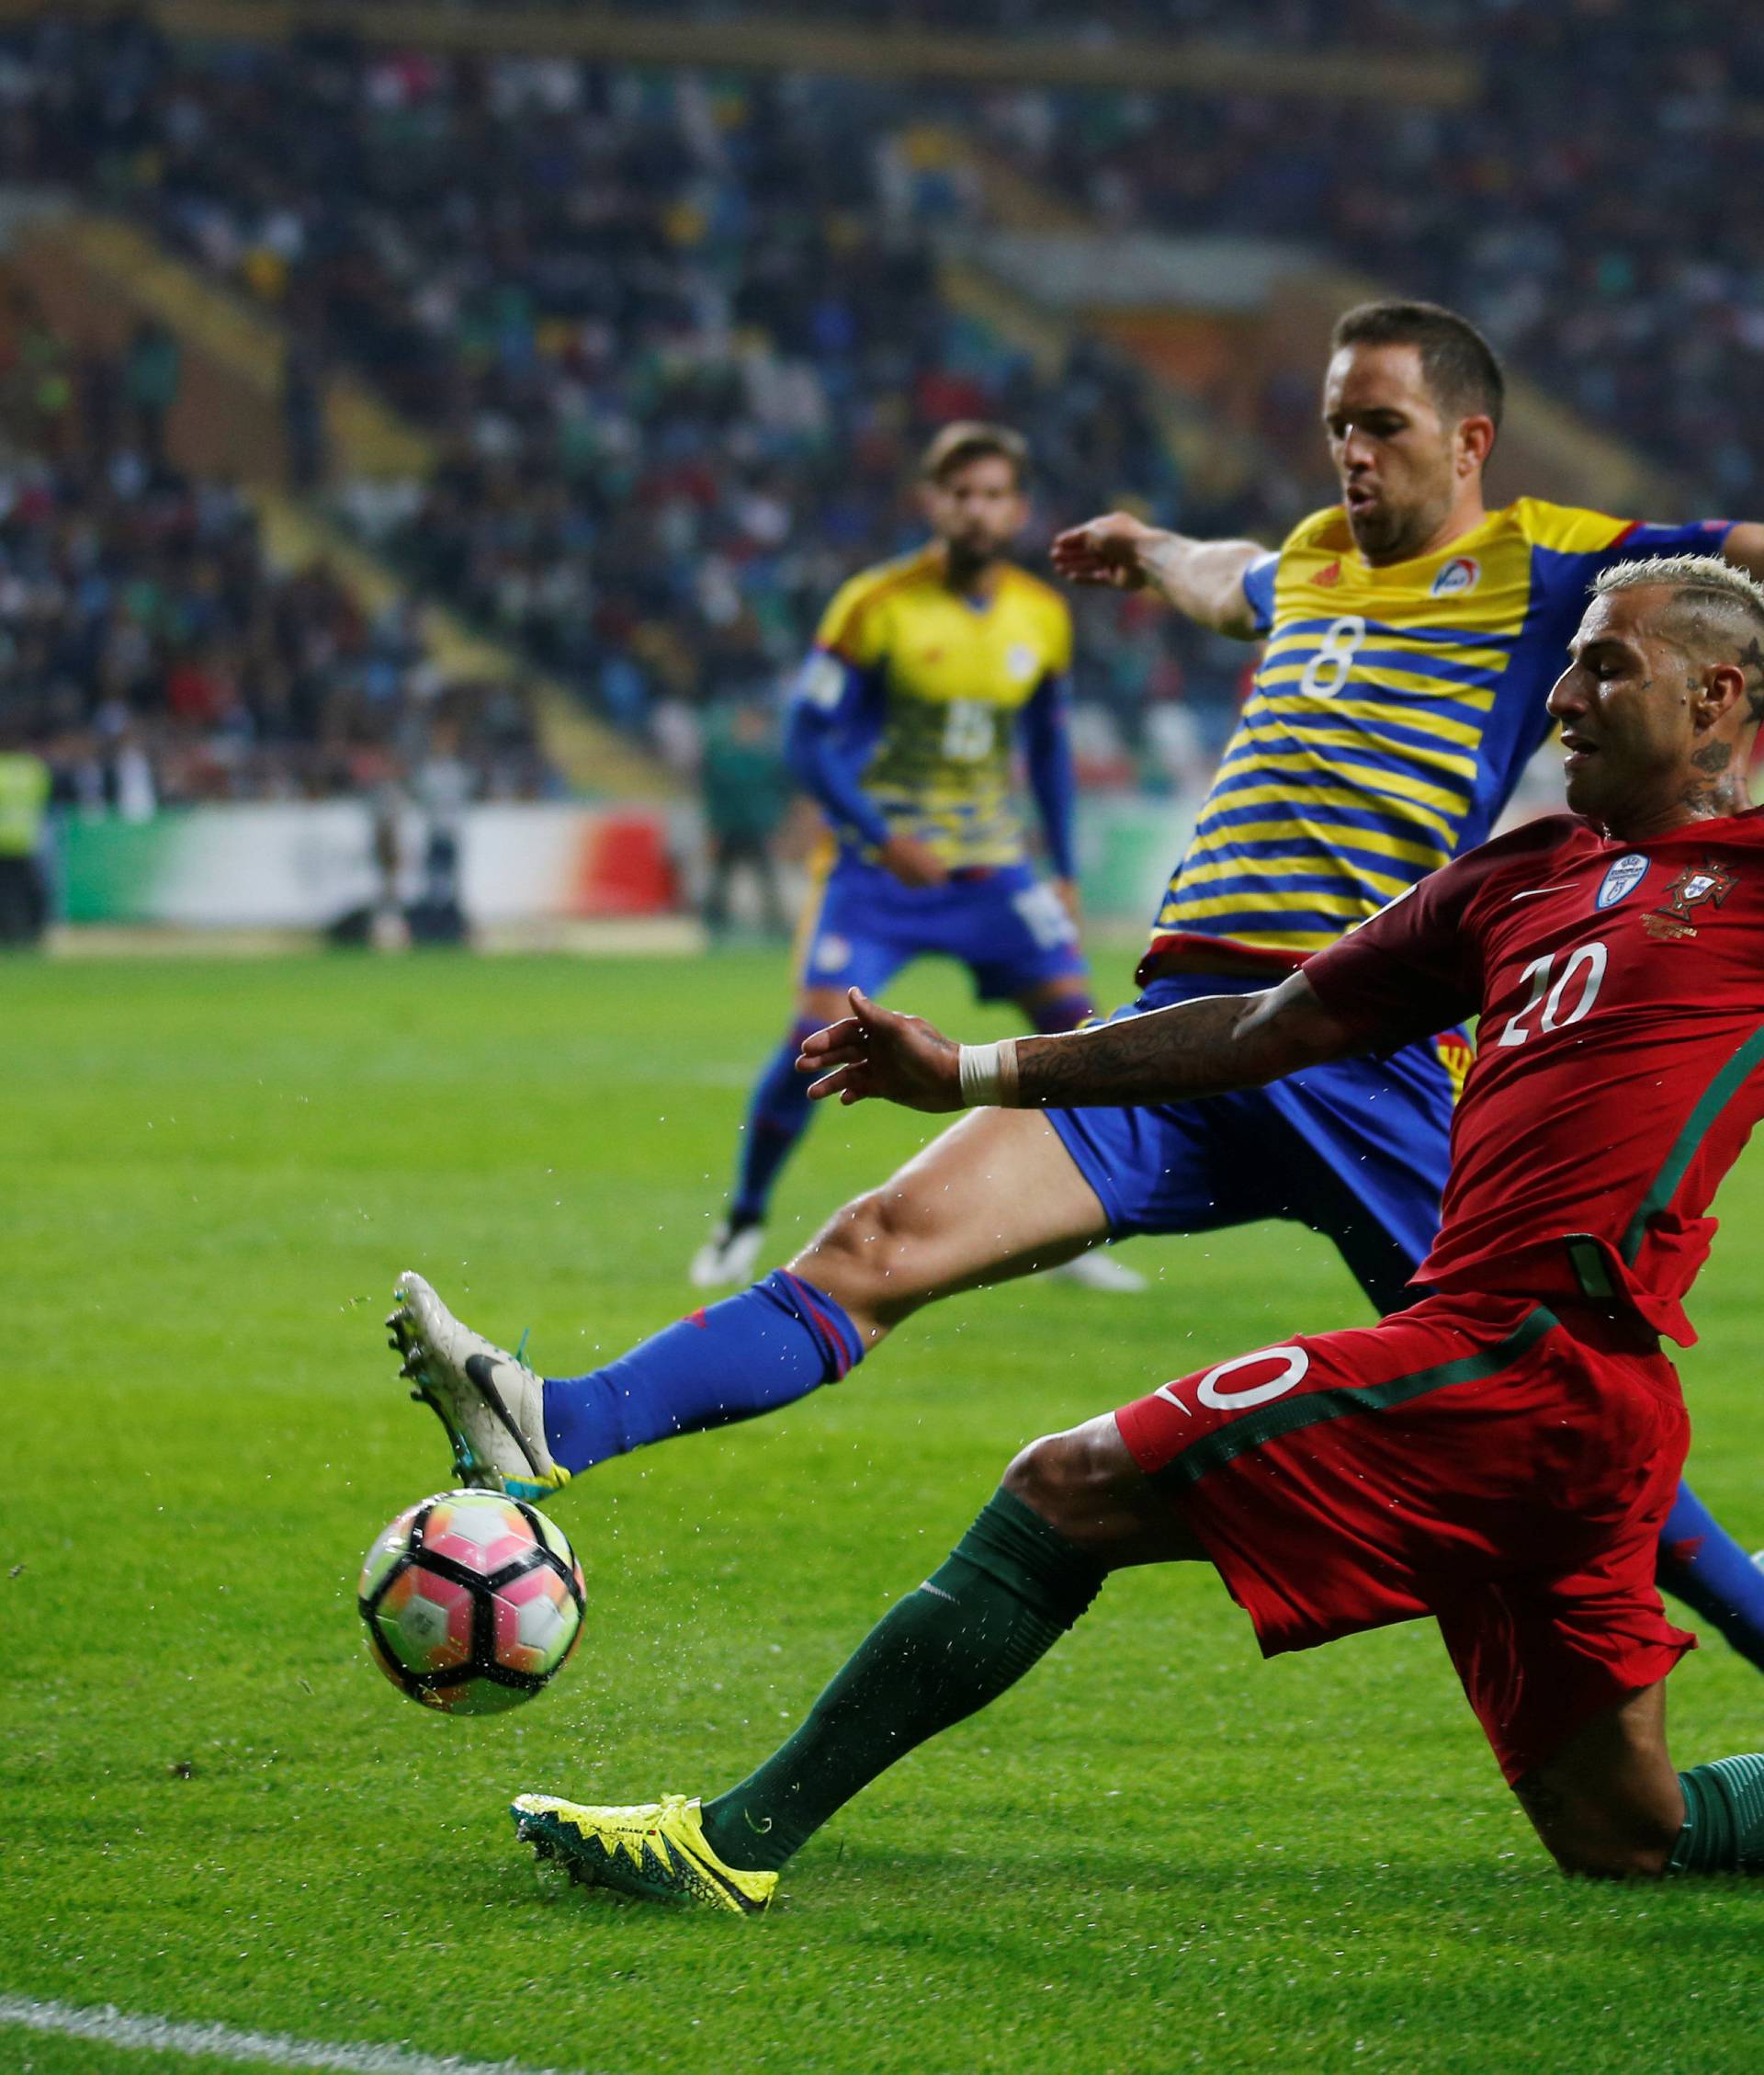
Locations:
{"points": [[926, 676], [1412, 637]]}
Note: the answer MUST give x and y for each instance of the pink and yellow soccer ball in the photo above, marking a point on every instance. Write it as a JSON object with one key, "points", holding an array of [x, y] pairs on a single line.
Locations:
{"points": [[472, 1601]]}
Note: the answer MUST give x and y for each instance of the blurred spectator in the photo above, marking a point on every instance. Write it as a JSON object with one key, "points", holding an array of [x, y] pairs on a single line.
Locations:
{"points": [[303, 431], [152, 371], [746, 790], [24, 801]]}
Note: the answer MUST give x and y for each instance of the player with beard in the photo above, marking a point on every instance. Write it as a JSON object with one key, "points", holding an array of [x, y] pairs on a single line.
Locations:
{"points": [[1500, 1458], [926, 674], [1410, 634]]}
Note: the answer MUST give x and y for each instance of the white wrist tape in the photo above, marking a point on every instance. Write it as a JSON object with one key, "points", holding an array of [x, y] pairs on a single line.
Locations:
{"points": [[988, 1074]]}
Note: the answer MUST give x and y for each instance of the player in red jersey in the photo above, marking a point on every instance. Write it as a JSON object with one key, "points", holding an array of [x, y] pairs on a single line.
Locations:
{"points": [[1500, 1455]]}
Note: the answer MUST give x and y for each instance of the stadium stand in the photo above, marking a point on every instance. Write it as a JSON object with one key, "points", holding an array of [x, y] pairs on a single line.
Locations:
{"points": [[150, 647], [650, 487], [675, 336]]}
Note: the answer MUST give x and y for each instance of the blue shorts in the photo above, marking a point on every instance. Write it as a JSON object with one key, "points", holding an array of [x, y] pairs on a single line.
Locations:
{"points": [[1007, 928], [1357, 1149]]}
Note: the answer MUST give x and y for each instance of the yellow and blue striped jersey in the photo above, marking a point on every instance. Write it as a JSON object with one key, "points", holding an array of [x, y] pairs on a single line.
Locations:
{"points": [[1391, 716], [907, 713]]}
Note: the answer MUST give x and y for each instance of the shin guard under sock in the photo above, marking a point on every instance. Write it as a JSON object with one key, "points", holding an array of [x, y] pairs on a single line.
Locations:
{"points": [[750, 1354], [1010, 1590]]}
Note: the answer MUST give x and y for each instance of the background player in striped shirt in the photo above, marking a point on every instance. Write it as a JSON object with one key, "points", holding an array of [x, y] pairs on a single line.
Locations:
{"points": [[1412, 634], [927, 673]]}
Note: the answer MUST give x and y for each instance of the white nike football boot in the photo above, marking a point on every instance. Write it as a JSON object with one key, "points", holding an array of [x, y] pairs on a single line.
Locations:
{"points": [[491, 1405], [728, 1255], [1099, 1270]]}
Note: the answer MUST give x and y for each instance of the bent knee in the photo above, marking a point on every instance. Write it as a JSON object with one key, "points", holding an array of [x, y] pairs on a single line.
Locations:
{"points": [[1070, 1478], [866, 1255]]}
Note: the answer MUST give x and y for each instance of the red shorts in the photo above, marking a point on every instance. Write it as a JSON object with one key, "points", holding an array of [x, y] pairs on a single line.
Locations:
{"points": [[1474, 1459]]}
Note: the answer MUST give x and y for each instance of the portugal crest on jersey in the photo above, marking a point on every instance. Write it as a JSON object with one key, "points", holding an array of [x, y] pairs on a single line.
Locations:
{"points": [[1698, 886], [1622, 879]]}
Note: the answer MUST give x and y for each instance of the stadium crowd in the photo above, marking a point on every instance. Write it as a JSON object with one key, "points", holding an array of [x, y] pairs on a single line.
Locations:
{"points": [[677, 338], [148, 650], [1639, 303], [677, 345]]}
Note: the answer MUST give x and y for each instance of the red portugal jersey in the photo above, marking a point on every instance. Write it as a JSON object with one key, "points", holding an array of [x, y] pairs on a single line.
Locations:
{"points": [[1621, 988]]}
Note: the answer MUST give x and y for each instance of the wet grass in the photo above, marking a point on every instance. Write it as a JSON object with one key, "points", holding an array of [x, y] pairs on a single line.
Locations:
{"points": [[1156, 1853]]}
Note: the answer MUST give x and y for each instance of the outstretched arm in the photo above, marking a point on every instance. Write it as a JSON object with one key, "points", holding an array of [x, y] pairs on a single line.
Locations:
{"points": [[1203, 579], [1202, 1047]]}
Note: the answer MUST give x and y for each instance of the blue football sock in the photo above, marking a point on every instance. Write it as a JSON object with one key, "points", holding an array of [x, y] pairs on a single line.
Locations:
{"points": [[749, 1355], [778, 1115], [1703, 1565]]}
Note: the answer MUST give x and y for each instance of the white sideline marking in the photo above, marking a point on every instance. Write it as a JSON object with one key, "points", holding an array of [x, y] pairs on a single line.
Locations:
{"points": [[112, 2027]]}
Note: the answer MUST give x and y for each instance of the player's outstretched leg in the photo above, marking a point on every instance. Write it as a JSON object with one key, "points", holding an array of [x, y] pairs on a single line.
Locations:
{"points": [[1703, 1566], [1071, 1508], [777, 1115], [998, 1195]]}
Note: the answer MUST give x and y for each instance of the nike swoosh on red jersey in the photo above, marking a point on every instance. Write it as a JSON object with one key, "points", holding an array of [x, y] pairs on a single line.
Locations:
{"points": [[1537, 892]]}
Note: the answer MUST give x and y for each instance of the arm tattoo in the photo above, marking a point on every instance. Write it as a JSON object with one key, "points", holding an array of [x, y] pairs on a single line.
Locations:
{"points": [[1163, 1056], [1205, 1046]]}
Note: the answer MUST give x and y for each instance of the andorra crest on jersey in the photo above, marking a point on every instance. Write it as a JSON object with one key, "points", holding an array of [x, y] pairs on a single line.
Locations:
{"points": [[1625, 876], [1698, 886], [1463, 572]]}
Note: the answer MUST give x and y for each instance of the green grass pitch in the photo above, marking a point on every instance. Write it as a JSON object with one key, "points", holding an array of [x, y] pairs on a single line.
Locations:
{"points": [[1156, 1854]]}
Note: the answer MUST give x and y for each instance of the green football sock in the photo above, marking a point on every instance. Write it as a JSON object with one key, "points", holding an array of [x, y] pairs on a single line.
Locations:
{"points": [[1010, 1590], [1724, 1818]]}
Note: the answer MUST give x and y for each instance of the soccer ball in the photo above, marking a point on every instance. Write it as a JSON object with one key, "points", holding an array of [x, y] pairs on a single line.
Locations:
{"points": [[472, 1601]]}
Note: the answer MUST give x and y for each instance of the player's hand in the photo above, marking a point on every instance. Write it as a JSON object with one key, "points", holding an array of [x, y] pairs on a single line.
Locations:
{"points": [[1071, 899], [873, 1053], [1107, 551], [913, 863]]}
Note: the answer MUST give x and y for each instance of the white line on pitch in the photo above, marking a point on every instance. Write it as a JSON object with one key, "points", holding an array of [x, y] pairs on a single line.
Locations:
{"points": [[112, 2027]]}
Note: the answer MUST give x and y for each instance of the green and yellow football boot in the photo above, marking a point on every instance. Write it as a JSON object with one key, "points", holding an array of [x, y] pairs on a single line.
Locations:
{"points": [[656, 1850]]}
